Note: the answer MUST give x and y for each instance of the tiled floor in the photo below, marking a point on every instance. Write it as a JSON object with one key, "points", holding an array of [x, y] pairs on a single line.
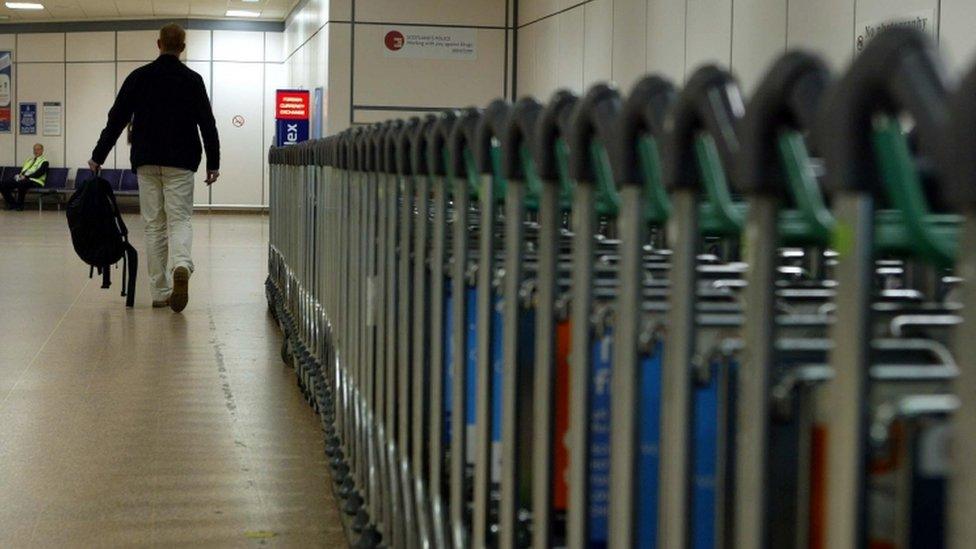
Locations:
{"points": [[142, 427]]}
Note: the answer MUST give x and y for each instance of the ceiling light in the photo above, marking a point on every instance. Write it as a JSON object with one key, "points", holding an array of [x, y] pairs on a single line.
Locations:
{"points": [[243, 13], [24, 6]]}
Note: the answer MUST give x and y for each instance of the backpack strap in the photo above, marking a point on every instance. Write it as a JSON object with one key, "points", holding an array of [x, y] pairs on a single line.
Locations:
{"points": [[118, 214], [106, 276], [130, 263]]}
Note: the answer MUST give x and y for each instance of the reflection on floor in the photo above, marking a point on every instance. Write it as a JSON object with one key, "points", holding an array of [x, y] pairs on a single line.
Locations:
{"points": [[142, 427]]}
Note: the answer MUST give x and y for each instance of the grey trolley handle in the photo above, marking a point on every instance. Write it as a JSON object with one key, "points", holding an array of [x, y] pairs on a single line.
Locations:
{"points": [[897, 72]]}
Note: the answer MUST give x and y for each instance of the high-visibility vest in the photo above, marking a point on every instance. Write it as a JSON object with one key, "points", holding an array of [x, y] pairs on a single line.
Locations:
{"points": [[32, 164]]}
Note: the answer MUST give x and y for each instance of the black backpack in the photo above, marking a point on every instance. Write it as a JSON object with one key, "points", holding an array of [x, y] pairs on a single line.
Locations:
{"points": [[99, 235]]}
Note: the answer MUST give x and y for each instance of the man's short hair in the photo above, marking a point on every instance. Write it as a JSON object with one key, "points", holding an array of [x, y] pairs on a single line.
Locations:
{"points": [[172, 37]]}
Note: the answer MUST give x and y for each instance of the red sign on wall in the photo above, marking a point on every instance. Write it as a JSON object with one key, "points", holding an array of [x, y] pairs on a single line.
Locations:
{"points": [[292, 105]]}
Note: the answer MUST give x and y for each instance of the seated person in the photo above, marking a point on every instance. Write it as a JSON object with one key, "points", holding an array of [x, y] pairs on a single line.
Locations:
{"points": [[32, 175]]}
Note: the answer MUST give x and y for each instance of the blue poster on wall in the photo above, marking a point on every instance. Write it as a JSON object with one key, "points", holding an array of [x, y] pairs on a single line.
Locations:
{"points": [[28, 119], [6, 91], [317, 112]]}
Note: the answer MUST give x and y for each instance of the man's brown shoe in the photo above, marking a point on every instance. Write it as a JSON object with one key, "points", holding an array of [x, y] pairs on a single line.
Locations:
{"points": [[161, 303], [181, 289]]}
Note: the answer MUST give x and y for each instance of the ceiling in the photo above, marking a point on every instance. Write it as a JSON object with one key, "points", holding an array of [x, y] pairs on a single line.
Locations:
{"points": [[88, 10]]}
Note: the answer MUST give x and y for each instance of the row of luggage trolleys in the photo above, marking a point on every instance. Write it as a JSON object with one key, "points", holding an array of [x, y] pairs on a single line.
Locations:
{"points": [[666, 319]]}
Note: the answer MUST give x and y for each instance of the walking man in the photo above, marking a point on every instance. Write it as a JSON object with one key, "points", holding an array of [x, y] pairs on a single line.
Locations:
{"points": [[165, 102]]}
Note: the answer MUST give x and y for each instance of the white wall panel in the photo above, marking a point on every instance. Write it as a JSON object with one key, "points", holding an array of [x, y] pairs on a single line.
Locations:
{"points": [[137, 45], [570, 55], [91, 91], [201, 193], [47, 47], [597, 38], [337, 91], [956, 33], [238, 46], [336, 10], [299, 74], [317, 60], [447, 12], [39, 82], [198, 45], [275, 77], [758, 38], [666, 39], [709, 28], [825, 27], [387, 81], [548, 39], [629, 41], [525, 63], [533, 10], [238, 90], [274, 47], [90, 46], [551, 54]]}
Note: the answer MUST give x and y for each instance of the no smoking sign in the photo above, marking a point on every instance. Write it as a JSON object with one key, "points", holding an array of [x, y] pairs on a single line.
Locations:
{"points": [[238, 121]]}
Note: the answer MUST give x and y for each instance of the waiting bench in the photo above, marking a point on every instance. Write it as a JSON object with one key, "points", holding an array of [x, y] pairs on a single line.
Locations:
{"points": [[123, 182]]}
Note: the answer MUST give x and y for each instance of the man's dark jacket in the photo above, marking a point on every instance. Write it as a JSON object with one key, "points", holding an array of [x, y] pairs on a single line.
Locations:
{"points": [[166, 102]]}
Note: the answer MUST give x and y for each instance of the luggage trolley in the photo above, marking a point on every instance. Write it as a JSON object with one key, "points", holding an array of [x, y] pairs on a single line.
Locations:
{"points": [[344, 473], [589, 134], [518, 319], [786, 209], [464, 177], [390, 203], [491, 193], [440, 319], [636, 392], [367, 519], [960, 172], [551, 384], [378, 528], [882, 212], [695, 427], [420, 325], [405, 304], [357, 361]]}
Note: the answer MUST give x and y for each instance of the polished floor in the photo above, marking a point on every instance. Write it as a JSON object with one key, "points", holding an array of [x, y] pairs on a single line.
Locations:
{"points": [[146, 428]]}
